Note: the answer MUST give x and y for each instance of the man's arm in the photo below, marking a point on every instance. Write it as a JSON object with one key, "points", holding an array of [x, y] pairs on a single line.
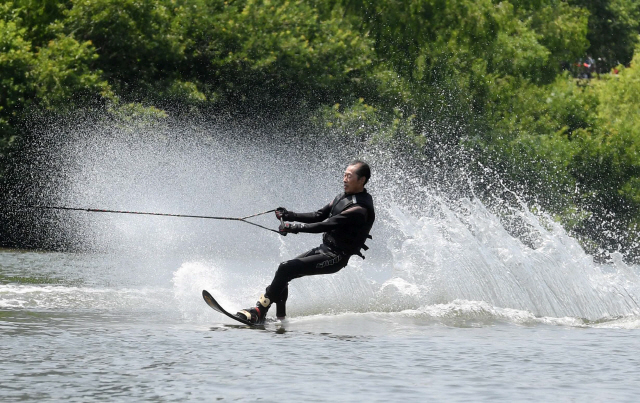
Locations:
{"points": [[314, 217], [355, 215]]}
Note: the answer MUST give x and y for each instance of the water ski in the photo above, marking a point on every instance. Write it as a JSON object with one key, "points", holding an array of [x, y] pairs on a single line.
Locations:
{"points": [[214, 304]]}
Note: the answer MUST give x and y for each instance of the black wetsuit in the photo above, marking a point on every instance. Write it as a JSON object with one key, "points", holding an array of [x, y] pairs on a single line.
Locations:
{"points": [[346, 223]]}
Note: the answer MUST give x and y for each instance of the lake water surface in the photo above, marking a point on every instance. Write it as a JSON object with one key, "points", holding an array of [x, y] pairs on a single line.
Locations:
{"points": [[73, 327]]}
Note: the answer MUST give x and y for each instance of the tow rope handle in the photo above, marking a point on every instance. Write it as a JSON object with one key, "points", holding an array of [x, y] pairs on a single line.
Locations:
{"points": [[282, 223]]}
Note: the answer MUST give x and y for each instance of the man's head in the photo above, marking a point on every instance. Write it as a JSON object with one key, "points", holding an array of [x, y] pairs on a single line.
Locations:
{"points": [[356, 176]]}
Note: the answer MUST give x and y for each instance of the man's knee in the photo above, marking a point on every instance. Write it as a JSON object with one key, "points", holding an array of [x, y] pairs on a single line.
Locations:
{"points": [[287, 270]]}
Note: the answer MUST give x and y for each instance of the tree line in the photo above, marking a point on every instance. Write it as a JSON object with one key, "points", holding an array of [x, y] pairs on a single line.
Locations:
{"points": [[495, 73]]}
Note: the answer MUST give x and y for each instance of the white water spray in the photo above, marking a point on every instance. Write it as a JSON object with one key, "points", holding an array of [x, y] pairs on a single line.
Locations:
{"points": [[427, 256]]}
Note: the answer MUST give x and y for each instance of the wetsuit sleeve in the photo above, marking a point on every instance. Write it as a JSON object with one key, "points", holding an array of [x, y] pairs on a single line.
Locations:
{"points": [[356, 215], [314, 217]]}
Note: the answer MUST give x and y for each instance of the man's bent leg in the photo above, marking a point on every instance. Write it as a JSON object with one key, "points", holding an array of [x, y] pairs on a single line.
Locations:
{"points": [[317, 261], [279, 292]]}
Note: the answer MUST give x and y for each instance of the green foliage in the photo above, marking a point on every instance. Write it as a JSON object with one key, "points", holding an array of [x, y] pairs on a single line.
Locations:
{"points": [[55, 76], [139, 51], [608, 165], [418, 75], [465, 60], [358, 120], [62, 77], [574, 146], [363, 122], [529, 140], [559, 27], [135, 117], [520, 108], [521, 38], [39, 17], [612, 30], [16, 59], [277, 53]]}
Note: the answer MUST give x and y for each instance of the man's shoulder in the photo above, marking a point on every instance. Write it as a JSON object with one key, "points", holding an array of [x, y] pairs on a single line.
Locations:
{"points": [[363, 197]]}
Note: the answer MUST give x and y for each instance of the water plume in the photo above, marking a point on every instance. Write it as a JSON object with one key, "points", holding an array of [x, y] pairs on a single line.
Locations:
{"points": [[435, 241]]}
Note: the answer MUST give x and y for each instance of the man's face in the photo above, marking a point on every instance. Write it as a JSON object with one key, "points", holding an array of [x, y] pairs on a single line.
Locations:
{"points": [[352, 184]]}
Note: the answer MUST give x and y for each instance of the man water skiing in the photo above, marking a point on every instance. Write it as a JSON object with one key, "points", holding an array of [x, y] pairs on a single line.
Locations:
{"points": [[345, 222]]}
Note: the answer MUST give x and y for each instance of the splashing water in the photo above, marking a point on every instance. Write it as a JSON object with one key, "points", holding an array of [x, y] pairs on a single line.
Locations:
{"points": [[471, 256], [431, 257]]}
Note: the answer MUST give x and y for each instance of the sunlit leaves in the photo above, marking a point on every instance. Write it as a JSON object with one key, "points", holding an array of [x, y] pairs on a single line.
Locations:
{"points": [[277, 53], [62, 77]]}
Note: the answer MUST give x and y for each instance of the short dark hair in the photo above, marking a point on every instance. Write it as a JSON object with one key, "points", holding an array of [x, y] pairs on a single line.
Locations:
{"points": [[362, 169]]}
